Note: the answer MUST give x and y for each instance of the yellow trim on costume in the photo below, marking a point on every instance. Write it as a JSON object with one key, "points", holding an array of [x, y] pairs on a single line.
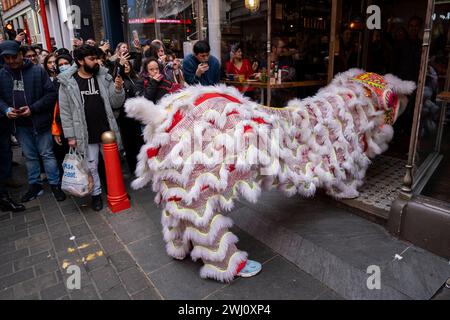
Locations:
{"points": [[207, 233], [211, 197], [218, 248]]}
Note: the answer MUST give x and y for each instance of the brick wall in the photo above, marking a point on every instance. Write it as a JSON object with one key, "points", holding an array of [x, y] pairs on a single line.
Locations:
{"points": [[9, 4], [97, 20]]}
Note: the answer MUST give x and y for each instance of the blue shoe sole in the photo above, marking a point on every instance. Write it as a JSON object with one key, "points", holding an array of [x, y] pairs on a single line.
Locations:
{"points": [[252, 268]]}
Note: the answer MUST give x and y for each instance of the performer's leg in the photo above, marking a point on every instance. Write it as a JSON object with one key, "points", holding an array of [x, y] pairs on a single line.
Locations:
{"points": [[215, 245], [201, 224], [173, 230]]}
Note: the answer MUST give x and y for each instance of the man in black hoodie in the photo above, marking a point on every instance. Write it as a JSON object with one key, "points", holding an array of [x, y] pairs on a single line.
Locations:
{"points": [[27, 96]]}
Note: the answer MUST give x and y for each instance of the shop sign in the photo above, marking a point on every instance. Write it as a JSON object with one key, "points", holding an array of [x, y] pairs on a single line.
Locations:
{"points": [[153, 20], [441, 16]]}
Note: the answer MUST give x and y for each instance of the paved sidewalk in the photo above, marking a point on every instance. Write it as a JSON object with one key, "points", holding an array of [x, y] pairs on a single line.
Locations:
{"points": [[122, 256], [306, 247]]}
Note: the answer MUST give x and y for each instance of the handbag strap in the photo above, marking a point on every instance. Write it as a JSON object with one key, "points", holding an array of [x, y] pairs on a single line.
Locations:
{"points": [[75, 152]]}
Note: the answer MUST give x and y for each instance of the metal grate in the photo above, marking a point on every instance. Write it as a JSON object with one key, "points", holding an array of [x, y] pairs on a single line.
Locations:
{"points": [[382, 184]]}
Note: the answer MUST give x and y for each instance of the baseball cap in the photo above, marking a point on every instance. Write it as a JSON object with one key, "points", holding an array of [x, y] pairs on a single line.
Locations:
{"points": [[68, 57], [61, 51], [9, 47]]}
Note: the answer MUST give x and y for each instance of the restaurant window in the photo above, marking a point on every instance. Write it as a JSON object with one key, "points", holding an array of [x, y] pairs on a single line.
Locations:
{"points": [[298, 60], [396, 48], [171, 21], [433, 148]]}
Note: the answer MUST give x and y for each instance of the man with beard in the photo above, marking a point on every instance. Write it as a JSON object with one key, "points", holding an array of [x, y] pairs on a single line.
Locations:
{"points": [[87, 95]]}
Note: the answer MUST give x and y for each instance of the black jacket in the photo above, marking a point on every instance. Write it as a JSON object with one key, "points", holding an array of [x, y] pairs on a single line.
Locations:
{"points": [[152, 89], [39, 92]]}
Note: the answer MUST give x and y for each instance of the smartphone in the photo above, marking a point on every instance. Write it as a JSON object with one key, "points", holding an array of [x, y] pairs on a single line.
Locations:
{"points": [[117, 71], [22, 33], [133, 55], [18, 110], [135, 35]]}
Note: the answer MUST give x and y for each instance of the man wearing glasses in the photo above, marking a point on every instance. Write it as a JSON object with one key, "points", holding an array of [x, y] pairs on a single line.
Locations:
{"points": [[30, 54]]}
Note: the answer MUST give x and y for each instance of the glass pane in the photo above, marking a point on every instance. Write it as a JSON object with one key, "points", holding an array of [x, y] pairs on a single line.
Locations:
{"points": [[171, 21], [299, 53], [435, 82], [300, 48], [396, 48], [433, 114], [243, 45]]}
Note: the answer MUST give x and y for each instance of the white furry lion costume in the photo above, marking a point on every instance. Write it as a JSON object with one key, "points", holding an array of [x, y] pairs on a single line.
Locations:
{"points": [[205, 146]]}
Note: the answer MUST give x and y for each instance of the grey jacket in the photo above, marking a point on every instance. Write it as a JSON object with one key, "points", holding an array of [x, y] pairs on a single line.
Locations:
{"points": [[73, 118]]}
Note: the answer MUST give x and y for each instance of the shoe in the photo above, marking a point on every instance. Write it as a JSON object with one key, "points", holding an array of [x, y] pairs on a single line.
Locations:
{"points": [[8, 204], [97, 203], [58, 193], [14, 142], [251, 268], [34, 192]]}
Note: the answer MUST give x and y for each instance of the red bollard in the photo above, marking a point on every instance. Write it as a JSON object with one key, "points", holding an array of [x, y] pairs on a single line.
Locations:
{"points": [[117, 196]]}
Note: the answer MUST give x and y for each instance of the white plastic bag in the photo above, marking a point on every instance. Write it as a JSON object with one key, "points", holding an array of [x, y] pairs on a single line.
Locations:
{"points": [[77, 179]]}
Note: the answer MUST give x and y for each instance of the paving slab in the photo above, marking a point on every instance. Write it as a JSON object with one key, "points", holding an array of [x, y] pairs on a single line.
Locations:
{"points": [[337, 248]]}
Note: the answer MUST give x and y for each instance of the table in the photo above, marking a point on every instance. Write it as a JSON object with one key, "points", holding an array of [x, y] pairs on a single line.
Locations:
{"points": [[443, 96], [283, 85]]}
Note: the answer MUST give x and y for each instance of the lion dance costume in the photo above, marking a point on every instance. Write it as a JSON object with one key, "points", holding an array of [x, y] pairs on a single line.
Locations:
{"points": [[206, 146]]}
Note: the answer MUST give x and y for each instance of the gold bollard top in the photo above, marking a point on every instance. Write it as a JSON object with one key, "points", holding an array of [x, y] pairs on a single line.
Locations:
{"points": [[108, 137]]}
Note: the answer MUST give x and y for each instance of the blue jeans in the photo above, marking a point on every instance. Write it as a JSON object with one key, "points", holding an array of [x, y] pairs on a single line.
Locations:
{"points": [[33, 145], [5, 158]]}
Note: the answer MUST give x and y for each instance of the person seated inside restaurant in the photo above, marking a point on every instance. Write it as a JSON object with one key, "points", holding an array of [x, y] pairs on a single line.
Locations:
{"points": [[281, 59], [240, 69]]}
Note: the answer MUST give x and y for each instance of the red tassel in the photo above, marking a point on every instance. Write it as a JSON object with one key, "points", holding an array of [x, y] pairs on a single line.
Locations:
{"points": [[259, 120], [177, 117], [232, 113], [152, 152], [241, 266]]}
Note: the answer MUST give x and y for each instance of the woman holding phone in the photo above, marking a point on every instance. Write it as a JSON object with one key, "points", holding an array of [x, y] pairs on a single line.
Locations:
{"points": [[154, 85]]}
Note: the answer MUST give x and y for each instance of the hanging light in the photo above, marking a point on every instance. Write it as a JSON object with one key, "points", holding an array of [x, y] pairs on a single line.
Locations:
{"points": [[252, 5]]}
